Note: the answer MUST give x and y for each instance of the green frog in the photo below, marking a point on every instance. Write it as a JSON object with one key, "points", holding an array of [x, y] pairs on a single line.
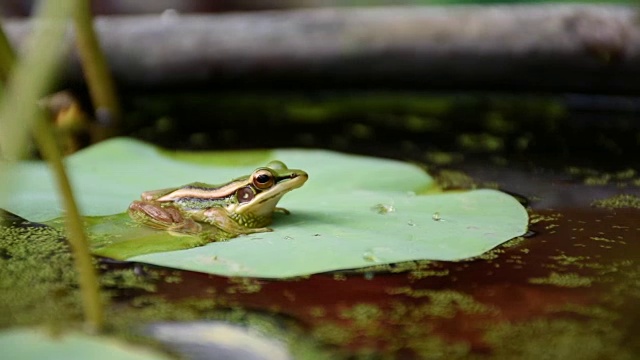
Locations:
{"points": [[241, 206]]}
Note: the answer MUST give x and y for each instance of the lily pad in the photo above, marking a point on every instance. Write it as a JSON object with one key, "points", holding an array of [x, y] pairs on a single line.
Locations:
{"points": [[353, 212], [24, 343]]}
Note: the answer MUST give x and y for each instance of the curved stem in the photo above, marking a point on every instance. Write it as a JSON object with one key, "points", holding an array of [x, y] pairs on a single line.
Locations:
{"points": [[87, 278], [96, 72], [7, 56]]}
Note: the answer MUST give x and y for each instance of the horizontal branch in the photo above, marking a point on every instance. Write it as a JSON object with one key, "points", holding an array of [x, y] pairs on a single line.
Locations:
{"points": [[533, 47]]}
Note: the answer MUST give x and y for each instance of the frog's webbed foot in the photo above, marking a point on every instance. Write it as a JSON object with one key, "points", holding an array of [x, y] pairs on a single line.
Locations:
{"points": [[219, 218], [156, 216], [282, 210]]}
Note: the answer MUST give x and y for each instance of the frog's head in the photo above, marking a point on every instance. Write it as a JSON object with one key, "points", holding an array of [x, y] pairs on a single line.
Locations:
{"points": [[261, 191]]}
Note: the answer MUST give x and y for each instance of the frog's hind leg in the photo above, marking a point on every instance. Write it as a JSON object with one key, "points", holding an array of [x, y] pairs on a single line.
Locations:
{"points": [[159, 217]]}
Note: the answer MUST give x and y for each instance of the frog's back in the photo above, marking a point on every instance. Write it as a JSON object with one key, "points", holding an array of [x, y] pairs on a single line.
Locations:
{"points": [[199, 196], [197, 204]]}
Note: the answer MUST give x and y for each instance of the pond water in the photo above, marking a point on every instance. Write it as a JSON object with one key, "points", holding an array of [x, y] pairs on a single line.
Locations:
{"points": [[568, 289]]}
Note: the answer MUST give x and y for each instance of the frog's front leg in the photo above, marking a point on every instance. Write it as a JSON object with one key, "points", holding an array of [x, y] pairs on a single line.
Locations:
{"points": [[220, 218], [168, 217]]}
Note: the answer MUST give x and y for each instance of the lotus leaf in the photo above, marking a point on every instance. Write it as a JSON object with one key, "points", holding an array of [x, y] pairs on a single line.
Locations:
{"points": [[354, 211]]}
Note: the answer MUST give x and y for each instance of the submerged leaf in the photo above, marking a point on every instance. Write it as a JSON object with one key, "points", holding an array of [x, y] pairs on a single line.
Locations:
{"points": [[353, 212], [25, 343]]}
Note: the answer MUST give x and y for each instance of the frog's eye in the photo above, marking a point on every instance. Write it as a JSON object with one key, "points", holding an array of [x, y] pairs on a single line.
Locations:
{"points": [[263, 179], [245, 194]]}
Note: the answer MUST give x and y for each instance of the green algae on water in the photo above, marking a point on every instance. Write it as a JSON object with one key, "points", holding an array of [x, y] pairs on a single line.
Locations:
{"points": [[443, 303], [569, 280], [371, 326], [37, 278], [557, 339], [618, 201]]}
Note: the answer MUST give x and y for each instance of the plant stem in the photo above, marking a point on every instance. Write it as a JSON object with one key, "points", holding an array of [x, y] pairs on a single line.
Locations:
{"points": [[30, 80], [7, 56], [87, 278], [96, 72]]}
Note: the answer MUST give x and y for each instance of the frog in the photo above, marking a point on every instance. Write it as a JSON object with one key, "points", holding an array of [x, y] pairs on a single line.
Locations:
{"points": [[244, 205]]}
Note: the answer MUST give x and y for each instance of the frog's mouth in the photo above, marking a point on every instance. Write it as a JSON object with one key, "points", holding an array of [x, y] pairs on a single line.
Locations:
{"points": [[266, 200]]}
